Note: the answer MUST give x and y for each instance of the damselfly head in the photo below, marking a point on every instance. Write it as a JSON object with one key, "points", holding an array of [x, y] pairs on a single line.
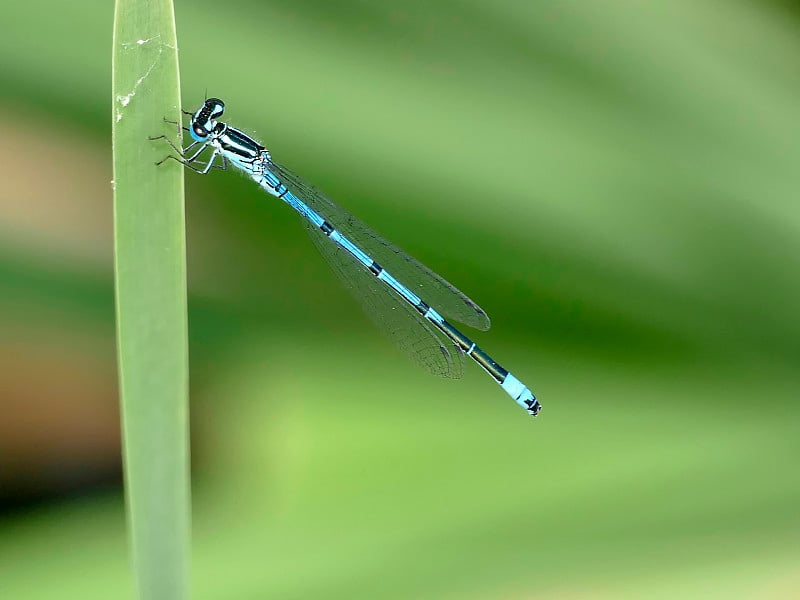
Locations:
{"points": [[203, 121], [215, 106], [212, 109]]}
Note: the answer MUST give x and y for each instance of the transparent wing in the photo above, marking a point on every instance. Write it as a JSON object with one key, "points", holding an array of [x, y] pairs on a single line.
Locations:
{"points": [[398, 320], [432, 288]]}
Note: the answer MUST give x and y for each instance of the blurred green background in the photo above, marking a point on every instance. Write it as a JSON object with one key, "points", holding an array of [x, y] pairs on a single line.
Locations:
{"points": [[615, 182]]}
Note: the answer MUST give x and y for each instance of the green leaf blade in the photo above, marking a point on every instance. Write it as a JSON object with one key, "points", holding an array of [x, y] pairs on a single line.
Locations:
{"points": [[150, 276]]}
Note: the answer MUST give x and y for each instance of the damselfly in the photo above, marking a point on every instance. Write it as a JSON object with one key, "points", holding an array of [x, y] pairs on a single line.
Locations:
{"points": [[405, 298]]}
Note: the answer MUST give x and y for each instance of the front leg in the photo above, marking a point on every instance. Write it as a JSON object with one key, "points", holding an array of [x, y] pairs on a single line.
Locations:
{"points": [[190, 162]]}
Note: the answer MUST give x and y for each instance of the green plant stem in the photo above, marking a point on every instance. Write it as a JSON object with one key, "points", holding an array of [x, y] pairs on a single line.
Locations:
{"points": [[150, 275]]}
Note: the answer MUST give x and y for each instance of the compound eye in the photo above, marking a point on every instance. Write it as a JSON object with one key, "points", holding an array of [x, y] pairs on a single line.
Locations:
{"points": [[199, 132]]}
